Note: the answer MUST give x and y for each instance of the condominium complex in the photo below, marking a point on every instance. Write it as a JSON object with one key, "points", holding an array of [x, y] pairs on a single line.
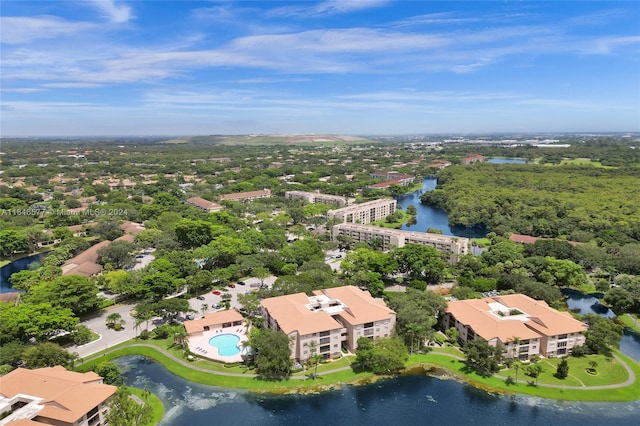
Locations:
{"points": [[316, 197], [366, 212], [333, 318], [205, 205], [53, 396], [402, 179], [524, 326], [456, 246], [246, 196]]}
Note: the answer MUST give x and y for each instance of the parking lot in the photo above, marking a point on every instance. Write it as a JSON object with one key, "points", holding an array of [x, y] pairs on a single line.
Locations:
{"points": [[211, 299]]}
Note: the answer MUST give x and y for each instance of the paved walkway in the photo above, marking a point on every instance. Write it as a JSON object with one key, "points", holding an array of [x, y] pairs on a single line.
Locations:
{"points": [[630, 380]]}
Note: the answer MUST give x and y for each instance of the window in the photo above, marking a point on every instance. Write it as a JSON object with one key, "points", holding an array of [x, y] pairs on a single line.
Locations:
{"points": [[562, 344], [562, 336], [368, 325], [324, 340], [324, 333], [325, 348]]}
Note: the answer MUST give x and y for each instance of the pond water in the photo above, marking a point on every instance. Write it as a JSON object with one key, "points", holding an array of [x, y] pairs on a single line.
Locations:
{"points": [[433, 217], [410, 400], [16, 266], [587, 303]]}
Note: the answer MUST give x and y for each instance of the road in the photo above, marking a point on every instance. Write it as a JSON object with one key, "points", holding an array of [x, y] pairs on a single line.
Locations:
{"points": [[109, 337]]}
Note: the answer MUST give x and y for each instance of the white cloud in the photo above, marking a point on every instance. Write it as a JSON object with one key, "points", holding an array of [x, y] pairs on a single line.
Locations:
{"points": [[326, 8], [22, 29], [115, 13]]}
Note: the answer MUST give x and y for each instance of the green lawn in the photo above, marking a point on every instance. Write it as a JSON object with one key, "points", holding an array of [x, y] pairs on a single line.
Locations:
{"points": [[157, 409], [631, 321], [608, 373], [628, 393]]}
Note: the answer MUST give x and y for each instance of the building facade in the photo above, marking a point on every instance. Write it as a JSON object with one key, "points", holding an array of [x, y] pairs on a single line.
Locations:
{"points": [[204, 205], [523, 326], [334, 319], [246, 196], [53, 396], [455, 246], [316, 197], [366, 212]]}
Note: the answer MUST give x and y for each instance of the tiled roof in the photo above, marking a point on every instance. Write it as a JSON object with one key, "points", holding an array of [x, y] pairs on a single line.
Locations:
{"points": [[537, 318], [67, 396], [212, 319]]}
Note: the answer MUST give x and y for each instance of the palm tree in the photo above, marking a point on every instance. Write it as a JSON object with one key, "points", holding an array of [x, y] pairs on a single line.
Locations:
{"points": [[315, 357], [516, 366], [515, 341], [592, 366], [114, 319], [179, 336], [204, 308]]}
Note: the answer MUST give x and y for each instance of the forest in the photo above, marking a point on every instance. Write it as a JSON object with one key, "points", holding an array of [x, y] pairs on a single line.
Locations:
{"points": [[577, 203]]}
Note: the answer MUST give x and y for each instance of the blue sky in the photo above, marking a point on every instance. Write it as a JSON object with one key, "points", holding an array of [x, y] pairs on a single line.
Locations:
{"points": [[111, 67]]}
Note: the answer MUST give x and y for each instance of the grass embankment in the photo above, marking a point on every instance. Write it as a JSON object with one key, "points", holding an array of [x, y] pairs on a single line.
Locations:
{"points": [[631, 321], [395, 224], [608, 373], [193, 370], [157, 409]]}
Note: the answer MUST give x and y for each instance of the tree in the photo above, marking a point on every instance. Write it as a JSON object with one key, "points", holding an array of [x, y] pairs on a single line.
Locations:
{"points": [[193, 233], [125, 411], [118, 254], [533, 370], [386, 355], [420, 262], [40, 321], [273, 354], [82, 335], [204, 308], [261, 273], [562, 371], [315, 357], [115, 321], [482, 357], [47, 355], [602, 335], [71, 291], [110, 372]]}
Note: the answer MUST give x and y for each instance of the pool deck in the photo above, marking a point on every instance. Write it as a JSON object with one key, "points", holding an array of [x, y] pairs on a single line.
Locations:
{"points": [[199, 344]]}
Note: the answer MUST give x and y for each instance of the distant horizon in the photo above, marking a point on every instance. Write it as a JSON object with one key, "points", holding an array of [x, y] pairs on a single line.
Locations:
{"points": [[118, 68], [363, 135]]}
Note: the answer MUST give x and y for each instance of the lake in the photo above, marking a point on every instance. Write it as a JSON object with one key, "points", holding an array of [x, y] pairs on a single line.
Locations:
{"points": [[16, 266], [433, 217], [410, 400], [399, 401]]}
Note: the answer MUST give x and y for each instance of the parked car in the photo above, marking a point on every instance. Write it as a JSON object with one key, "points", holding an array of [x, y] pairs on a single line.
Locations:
{"points": [[241, 283], [140, 256], [200, 297], [216, 292], [232, 285], [190, 316]]}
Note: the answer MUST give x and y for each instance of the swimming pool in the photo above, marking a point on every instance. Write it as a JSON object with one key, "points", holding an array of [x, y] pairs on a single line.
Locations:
{"points": [[227, 344]]}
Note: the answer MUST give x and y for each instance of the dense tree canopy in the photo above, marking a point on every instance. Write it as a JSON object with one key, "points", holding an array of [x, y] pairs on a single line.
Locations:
{"points": [[272, 354]]}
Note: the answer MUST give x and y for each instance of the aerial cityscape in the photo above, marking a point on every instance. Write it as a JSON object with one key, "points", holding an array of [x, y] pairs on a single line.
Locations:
{"points": [[366, 212]]}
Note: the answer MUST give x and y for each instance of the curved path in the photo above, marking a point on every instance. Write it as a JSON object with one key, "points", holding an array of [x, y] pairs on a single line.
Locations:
{"points": [[219, 373], [630, 380]]}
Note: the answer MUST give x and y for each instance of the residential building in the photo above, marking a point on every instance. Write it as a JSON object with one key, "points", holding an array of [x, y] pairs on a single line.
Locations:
{"points": [[215, 321], [53, 396], [205, 205], [246, 196], [316, 197], [402, 179], [527, 239], [333, 318], [455, 246], [366, 212], [472, 158], [86, 263], [524, 326]]}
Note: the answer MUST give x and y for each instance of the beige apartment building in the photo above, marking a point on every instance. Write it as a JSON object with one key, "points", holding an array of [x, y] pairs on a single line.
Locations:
{"points": [[524, 326], [204, 205], [333, 318], [366, 212], [317, 197], [53, 396], [456, 246]]}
